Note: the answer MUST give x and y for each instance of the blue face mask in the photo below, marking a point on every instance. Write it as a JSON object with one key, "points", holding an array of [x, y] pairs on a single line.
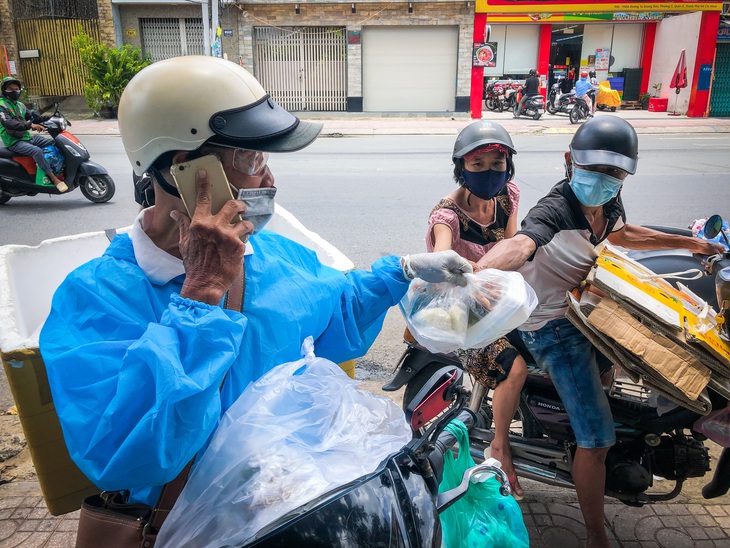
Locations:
{"points": [[592, 188], [485, 184], [259, 205]]}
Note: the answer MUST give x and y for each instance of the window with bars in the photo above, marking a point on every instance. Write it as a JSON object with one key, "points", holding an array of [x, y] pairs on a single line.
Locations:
{"points": [[54, 9], [167, 37]]}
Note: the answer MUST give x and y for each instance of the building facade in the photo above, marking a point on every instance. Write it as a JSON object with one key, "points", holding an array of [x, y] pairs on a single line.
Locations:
{"points": [[382, 56], [638, 41]]}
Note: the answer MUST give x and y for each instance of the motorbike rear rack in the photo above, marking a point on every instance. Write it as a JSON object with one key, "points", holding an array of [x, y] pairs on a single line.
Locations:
{"points": [[629, 391]]}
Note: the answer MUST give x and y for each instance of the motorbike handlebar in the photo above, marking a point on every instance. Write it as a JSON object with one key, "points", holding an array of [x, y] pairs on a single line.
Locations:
{"points": [[445, 441]]}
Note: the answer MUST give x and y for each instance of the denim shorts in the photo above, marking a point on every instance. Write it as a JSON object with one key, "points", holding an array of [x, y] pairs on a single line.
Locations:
{"points": [[570, 360]]}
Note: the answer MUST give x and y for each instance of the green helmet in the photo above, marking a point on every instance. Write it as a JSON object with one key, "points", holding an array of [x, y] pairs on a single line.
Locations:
{"points": [[9, 80]]}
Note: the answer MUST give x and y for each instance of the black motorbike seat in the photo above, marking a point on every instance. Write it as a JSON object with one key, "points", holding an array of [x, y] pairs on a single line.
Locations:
{"points": [[7, 153]]}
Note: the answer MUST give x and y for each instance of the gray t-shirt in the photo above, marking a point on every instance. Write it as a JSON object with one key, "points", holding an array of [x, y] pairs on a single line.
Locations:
{"points": [[566, 249]]}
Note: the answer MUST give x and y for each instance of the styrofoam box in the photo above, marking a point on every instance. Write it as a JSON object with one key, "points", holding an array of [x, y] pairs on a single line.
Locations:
{"points": [[30, 275]]}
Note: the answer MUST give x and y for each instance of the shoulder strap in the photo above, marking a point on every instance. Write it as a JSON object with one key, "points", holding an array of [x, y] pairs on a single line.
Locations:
{"points": [[171, 490]]}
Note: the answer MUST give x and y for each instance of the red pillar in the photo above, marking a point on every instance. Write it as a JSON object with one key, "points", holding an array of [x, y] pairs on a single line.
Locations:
{"points": [[477, 73], [705, 55], [647, 54], [543, 53]]}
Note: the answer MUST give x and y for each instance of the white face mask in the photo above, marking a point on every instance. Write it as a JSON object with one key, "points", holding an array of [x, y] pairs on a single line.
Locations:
{"points": [[259, 205]]}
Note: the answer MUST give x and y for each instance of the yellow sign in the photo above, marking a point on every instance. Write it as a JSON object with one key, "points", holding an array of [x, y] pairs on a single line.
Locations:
{"points": [[131, 33], [510, 6]]}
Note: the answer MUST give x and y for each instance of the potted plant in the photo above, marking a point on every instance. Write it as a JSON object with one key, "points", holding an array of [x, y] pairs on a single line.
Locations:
{"points": [[657, 88], [644, 100], [108, 70]]}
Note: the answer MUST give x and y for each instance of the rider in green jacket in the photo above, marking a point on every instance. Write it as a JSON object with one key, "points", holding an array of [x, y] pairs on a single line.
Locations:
{"points": [[15, 124]]}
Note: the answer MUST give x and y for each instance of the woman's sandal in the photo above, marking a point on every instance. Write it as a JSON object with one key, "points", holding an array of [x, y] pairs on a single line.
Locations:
{"points": [[512, 483]]}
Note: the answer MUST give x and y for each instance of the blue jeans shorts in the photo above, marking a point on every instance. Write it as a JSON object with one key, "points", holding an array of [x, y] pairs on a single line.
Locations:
{"points": [[570, 360]]}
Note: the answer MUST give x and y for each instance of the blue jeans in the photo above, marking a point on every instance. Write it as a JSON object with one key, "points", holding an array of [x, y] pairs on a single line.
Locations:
{"points": [[570, 360]]}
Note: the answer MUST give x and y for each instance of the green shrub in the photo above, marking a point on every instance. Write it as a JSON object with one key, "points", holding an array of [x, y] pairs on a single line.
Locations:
{"points": [[107, 70]]}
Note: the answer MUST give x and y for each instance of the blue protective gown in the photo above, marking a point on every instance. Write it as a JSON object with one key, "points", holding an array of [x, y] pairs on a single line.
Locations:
{"points": [[135, 369]]}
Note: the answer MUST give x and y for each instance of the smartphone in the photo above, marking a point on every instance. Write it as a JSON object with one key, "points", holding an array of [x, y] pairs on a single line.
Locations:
{"points": [[184, 176]]}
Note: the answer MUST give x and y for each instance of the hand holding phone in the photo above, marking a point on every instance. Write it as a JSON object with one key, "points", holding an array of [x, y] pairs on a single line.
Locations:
{"points": [[220, 189], [211, 245]]}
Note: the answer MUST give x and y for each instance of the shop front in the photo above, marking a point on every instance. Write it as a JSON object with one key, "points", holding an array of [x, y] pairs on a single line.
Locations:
{"points": [[561, 39]]}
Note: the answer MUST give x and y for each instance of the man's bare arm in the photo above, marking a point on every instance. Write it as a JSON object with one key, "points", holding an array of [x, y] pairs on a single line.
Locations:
{"points": [[509, 254], [639, 237]]}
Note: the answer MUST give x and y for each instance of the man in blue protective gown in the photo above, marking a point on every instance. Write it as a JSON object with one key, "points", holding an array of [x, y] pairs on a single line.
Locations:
{"points": [[142, 357]]}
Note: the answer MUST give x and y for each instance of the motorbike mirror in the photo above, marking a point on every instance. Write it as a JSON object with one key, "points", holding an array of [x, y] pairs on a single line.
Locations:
{"points": [[712, 227]]}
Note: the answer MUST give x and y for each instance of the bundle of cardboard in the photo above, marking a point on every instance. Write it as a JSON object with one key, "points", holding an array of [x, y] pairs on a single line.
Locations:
{"points": [[664, 338]]}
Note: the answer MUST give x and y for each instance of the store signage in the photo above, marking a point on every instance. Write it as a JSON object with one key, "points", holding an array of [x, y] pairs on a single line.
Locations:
{"points": [[703, 80], [552, 6], [227, 32], [573, 17], [723, 34], [485, 54]]}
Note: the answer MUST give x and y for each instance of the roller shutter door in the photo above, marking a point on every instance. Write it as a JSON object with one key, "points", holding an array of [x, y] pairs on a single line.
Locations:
{"points": [[409, 69]]}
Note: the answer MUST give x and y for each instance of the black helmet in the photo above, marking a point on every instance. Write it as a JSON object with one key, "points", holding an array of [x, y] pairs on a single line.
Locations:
{"points": [[592, 74], [606, 141], [533, 72], [480, 134], [9, 80]]}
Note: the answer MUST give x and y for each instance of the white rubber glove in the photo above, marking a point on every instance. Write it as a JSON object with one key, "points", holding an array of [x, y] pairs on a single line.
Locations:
{"points": [[442, 266]]}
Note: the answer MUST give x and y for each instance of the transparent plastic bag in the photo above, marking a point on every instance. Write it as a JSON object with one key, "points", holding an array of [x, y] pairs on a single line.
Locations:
{"points": [[444, 317], [300, 431], [716, 426]]}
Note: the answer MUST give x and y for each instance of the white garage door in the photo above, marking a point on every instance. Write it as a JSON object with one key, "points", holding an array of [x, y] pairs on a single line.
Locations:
{"points": [[409, 68]]}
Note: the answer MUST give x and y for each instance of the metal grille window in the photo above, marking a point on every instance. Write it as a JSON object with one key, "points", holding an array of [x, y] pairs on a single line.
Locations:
{"points": [[54, 9], [163, 38], [303, 68]]}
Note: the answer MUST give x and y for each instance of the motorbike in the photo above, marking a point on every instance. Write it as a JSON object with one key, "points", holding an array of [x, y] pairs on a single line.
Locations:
{"points": [[510, 97], [648, 444], [534, 107], [18, 173], [559, 102], [494, 97], [580, 110], [398, 504]]}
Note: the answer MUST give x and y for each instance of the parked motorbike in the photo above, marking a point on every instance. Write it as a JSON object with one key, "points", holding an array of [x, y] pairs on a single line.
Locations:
{"points": [[494, 97], [559, 102], [511, 95], [648, 444], [534, 107], [580, 110], [399, 503], [18, 173]]}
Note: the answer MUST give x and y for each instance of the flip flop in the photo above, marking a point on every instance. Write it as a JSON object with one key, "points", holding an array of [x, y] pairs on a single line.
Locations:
{"points": [[512, 482]]}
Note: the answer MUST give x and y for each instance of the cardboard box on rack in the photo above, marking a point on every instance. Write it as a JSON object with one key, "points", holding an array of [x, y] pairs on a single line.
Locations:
{"points": [[663, 355]]}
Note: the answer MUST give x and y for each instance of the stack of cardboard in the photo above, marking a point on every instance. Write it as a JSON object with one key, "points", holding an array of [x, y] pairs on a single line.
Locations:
{"points": [[663, 338]]}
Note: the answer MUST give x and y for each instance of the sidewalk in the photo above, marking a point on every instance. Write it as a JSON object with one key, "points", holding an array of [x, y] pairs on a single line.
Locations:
{"points": [[337, 124], [552, 517]]}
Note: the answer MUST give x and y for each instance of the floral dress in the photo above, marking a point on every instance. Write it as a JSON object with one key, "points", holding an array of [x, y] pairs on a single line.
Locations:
{"points": [[489, 365]]}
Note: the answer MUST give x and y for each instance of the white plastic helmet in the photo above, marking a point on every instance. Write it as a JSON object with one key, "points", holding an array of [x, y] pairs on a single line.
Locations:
{"points": [[162, 109]]}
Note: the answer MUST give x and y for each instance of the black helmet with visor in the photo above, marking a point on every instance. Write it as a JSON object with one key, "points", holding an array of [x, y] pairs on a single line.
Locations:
{"points": [[606, 141]]}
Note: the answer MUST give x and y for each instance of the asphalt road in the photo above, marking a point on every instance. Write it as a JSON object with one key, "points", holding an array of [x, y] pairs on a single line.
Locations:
{"points": [[370, 196]]}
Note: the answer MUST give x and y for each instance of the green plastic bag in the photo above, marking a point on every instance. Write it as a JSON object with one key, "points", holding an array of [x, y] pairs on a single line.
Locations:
{"points": [[483, 517]]}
